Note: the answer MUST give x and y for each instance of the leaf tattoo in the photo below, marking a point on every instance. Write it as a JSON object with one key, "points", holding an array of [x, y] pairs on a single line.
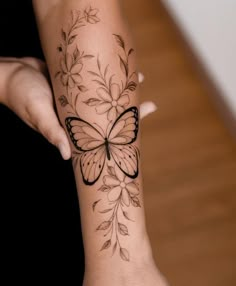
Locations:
{"points": [[121, 193], [120, 41], [129, 84], [112, 98], [72, 59]]}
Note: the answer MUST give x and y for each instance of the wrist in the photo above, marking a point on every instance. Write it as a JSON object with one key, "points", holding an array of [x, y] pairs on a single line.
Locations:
{"points": [[115, 271], [140, 255]]}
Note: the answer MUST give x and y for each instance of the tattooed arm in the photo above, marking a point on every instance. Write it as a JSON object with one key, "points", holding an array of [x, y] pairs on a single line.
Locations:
{"points": [[92, 66], [23, 85]]}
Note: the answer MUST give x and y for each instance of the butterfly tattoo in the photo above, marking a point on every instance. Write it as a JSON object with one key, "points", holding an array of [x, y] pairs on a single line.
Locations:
{"points": [[95, 147]]}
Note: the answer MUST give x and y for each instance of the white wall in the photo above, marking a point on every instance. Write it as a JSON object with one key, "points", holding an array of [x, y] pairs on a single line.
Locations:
{"points": [[210, 27]]}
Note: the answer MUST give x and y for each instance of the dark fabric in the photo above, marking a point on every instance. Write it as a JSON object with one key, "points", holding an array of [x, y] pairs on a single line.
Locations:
{"points": [[40, 225]]}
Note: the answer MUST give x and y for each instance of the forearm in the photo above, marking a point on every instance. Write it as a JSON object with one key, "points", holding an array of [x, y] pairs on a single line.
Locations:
{"points": [[91, 60]]}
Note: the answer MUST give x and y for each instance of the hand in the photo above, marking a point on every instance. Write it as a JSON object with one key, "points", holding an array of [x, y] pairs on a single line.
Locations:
{"points": [[29, 95]]}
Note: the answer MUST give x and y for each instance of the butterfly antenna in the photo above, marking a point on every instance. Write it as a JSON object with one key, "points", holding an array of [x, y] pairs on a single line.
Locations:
{"points": [[109, 127]]}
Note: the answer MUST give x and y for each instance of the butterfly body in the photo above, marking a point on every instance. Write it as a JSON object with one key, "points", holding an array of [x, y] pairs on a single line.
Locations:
{"points": [[107, 149], [95, 148]]}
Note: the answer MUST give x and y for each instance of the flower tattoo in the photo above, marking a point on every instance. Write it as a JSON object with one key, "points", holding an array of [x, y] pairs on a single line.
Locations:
{"points": [[120, 186], [70, 71], [90, 15], [113, 102]]}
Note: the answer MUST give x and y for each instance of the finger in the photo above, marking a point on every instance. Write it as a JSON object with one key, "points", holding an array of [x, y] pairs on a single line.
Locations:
{"points": [[64, 148], [56, 135], [35, 63], [146, 108], [48, 125], [140, 77]]}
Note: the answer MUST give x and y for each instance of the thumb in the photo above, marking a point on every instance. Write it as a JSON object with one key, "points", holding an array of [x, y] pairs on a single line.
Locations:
{"points": [[48, 125], [63, 144], [56, 135]]}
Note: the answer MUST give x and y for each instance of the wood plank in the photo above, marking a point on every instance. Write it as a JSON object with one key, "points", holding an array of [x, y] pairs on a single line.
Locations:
{"points": [[188, 158]]}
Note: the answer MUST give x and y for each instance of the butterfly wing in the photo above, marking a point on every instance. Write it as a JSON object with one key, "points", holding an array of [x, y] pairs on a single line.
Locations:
{"points": [[121, 136], [92, 164], [126, 158], [125, 128], [83, 135], [91, 143]]}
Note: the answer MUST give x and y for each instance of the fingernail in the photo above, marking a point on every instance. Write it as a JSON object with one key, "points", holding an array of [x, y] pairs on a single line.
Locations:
{"points": [[152, 106], [147, 108], [65, 153], [140, 77]]}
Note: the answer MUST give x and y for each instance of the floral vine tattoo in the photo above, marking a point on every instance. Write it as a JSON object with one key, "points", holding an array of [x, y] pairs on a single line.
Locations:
{"points": [[122, 192], [108, 155], [72, 59], [113, 98]]}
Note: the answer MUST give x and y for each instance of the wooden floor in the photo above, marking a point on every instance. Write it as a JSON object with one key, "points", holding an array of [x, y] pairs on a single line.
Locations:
{"points": [[189, 158]]}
